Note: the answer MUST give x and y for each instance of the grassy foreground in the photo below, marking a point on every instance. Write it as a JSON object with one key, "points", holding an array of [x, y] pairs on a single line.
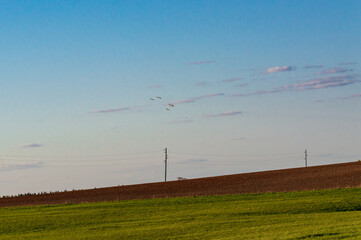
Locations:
{"points": [[326, 214]]}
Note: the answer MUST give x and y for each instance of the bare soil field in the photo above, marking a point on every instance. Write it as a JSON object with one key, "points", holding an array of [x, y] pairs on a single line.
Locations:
{"points": [[296, 179]]}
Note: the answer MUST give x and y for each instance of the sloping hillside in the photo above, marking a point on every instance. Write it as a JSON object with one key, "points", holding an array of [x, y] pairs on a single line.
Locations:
{"points": [[296, 179]]}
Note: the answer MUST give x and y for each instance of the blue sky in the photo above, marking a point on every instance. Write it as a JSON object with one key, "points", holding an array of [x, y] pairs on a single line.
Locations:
{"points": [[253, 84]]}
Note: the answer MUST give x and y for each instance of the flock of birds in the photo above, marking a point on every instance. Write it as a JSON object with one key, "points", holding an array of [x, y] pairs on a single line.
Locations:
{"points": [[169, 104]]}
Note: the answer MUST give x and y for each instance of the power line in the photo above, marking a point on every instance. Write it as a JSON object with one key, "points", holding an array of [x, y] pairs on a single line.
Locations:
{"points": [[227, 161], [127, 161], [78, 156], [84, 160], [236, 155], [103, 165]]}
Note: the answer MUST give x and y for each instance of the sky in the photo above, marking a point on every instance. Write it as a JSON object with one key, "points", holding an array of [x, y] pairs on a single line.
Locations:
{"points": [[253, 84]]}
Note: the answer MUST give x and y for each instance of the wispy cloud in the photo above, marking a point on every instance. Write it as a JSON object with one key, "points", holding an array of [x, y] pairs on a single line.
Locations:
{"points": [[224, 114], [260, 92], [242, 85], [326, 82], [279, 69], [334, 71], [230, 80], [201, 62], [210, 95], [316, 83], [156, 86], [194, 99], [313, 66], [31, 145], [202, 83], [351, 97], [111, 110], [22, 166], [347, 63]]}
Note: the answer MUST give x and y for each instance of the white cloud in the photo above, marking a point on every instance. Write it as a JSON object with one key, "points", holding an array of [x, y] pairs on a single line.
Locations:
{"points": [[279, 69]]}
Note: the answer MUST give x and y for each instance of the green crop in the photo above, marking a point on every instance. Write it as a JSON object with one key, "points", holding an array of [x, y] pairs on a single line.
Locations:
{"points": [[326, 214]]}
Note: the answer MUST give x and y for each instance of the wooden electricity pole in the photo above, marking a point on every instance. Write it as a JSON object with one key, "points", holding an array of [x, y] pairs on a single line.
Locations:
{"points": [[306, 157], [165, 164]]}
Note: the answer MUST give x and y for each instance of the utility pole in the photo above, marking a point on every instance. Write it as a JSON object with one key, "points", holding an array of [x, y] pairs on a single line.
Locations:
{"points": [[165, 164], [306, 157]]}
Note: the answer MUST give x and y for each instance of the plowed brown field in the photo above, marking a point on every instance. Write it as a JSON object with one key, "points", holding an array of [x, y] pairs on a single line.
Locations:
{"points": [[295, 179]]}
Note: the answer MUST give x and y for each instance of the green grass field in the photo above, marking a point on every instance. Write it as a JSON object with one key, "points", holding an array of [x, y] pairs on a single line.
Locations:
{"points": [[327, 214]]}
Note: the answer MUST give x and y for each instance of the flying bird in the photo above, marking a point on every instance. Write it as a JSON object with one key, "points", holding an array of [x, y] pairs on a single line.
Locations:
{"points": [[167, 109], [152, 99], [159, 97], [170, 104]]}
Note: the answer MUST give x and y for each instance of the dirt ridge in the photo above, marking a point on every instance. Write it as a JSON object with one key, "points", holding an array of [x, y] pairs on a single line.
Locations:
{"points": [[332, 176]]}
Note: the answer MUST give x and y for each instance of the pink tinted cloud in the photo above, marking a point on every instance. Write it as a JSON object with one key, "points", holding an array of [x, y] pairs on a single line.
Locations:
{"points": [[326, 82], [224, 114], [210, 95], [316, 83], [110, 110], [352, 96], [260, 92], [279, 69], [356, 96], [334, 71], [194, 99]]}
